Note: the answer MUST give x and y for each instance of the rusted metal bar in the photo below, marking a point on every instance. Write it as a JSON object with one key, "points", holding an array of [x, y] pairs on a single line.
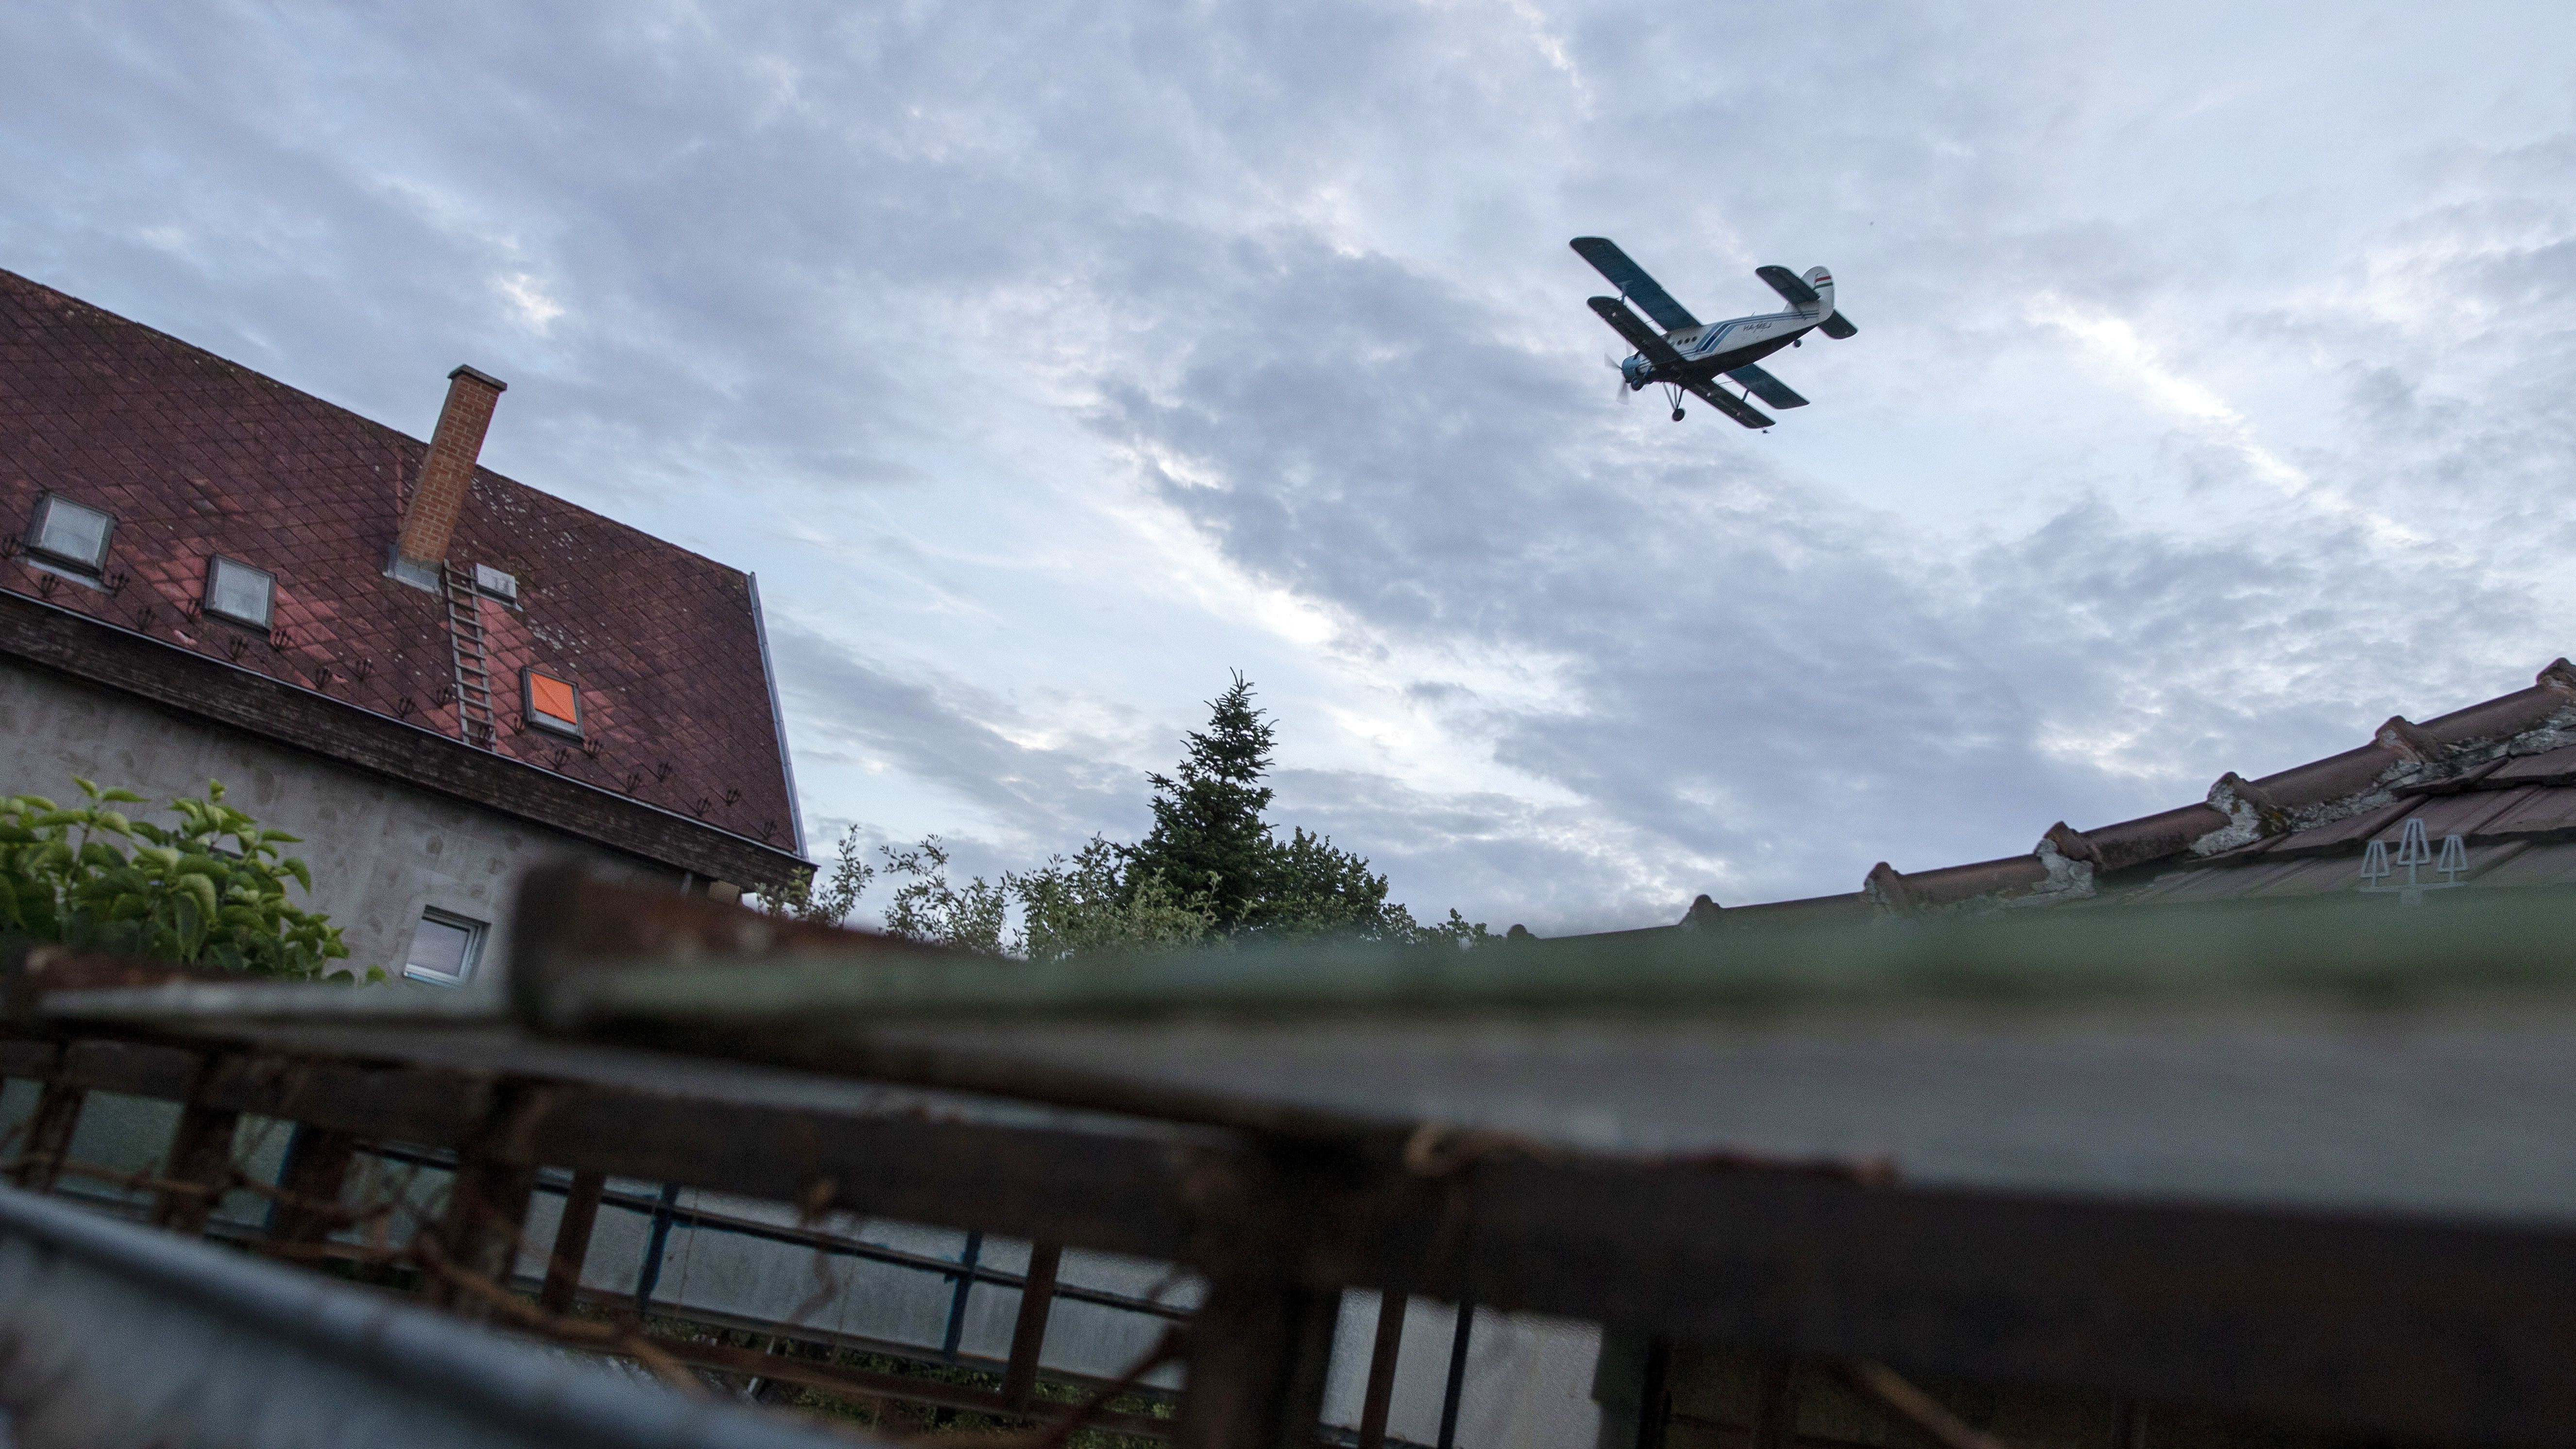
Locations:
{"points": [[2405, 1324], [1104, 1184], [198, 1165], [1258, 1352], [1028, 1333], [572, 1241], [479, 1233], [833, 1378], [430, 1105], [1919, 1411], [1380, 1393], [139, 1069], [1108, 1183], [1775, 1404], [487, 1204], [2330, 1319], [2129, 1425], [27, 1059], [830, 1244], [30, 970], [317, 1165], [199, 1169], [49, 1134], [1655, 1395]]}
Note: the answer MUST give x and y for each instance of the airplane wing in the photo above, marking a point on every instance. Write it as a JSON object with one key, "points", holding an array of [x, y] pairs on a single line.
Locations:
{"points": [[1632, 281], [1837, 326], [1788, 284], [1728, 403], [1766, 387], [1640, 336]]}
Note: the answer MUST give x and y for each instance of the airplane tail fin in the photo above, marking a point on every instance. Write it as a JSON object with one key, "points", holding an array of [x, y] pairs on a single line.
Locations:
{"points": [[1822, 283]]}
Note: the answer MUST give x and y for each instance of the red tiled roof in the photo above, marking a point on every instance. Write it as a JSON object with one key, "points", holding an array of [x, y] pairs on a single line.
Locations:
{"points": [[2501, 775], [197, 456]]}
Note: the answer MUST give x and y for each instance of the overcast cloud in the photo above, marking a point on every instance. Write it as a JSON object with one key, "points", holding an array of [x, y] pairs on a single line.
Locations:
{"points": [[2209, 402]]}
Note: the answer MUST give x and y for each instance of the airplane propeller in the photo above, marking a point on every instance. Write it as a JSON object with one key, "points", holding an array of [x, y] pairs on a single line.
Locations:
{"points": [[1625, 391]]}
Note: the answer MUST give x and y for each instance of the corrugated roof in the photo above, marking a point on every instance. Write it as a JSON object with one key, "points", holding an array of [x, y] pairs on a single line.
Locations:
{"points": [[197, 456]]}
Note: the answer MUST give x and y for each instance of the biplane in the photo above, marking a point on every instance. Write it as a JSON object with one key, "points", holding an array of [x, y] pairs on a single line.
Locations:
{"points": [[1691, 356]]}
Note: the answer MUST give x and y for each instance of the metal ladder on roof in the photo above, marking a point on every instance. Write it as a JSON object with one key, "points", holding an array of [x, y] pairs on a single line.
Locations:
{"points": [[473, 675]]}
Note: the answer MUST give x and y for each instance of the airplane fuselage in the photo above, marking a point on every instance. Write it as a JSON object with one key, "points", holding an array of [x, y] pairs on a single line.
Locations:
{"points": [[1689, 355], [1722, 346]]}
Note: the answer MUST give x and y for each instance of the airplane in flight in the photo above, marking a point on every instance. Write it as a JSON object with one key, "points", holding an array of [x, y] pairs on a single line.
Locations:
{"points": [[1690, 355]]}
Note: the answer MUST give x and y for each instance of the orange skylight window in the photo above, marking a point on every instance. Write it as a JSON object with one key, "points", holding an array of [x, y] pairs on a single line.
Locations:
{"points": [[553, 703]]}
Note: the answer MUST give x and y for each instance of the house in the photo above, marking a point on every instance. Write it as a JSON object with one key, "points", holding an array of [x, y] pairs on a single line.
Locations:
{"points": [[2482, 797], [435, 675]]}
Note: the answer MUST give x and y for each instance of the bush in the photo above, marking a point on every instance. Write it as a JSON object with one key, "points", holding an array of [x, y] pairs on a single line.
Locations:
{"points": [[92, 878], [1212, 871], [1067, 908]]}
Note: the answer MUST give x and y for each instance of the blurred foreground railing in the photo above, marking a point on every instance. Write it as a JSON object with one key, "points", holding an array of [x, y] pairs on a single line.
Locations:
{"points": [[112, 1334], [2299, 1165]]}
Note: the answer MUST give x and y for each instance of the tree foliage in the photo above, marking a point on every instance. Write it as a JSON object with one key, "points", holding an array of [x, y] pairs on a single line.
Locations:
{"points": [[1212, 870], [1064, 908], [1097, 903], [210, 891], [1209, 836], [830, 903], [927, 908]]}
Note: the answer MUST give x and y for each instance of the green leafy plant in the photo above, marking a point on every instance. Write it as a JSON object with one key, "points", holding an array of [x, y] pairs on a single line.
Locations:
{"points": [[1089, 906], [1210, 833], [1212, 872], [927, 908], [209, 891], [825, 903], [1076, 907]]}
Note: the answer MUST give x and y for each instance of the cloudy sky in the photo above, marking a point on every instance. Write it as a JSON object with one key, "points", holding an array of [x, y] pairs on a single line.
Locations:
{"points": [[2210, 402]]}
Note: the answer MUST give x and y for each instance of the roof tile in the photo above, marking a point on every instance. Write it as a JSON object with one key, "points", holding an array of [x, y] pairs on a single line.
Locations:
{"points": [[195, 455]]}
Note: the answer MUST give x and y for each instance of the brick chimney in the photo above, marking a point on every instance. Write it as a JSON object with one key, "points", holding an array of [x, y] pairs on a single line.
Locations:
{"points": [[429, 519]]}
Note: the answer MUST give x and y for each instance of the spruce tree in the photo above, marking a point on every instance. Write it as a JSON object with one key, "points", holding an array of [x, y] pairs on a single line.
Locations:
{"points": [[1209, 837], [1211, 868]]}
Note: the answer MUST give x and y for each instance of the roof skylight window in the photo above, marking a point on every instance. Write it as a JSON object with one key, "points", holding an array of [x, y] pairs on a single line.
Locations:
{"points": [[553, 703], [499, 585], [238, 592], [70, 533]]}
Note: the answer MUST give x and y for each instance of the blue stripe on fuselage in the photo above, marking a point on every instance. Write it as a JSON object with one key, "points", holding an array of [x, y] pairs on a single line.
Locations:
{"points": [[1703, 364], [1711, 338]]}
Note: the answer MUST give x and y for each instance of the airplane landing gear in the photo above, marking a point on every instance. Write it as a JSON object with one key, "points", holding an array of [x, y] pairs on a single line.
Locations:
{"points": [[1677, 415]]}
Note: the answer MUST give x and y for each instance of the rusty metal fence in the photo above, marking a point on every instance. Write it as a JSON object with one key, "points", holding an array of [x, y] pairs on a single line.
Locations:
{"points": [[2302, 1166]]}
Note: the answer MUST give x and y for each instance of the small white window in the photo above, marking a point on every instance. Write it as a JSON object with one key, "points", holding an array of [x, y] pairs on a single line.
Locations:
{"points": [[496, 583], [71, 533], [239, 592], [444, 948]]}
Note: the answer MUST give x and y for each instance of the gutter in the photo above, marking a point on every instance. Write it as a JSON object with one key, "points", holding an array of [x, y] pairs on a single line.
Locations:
{"points": [[311, 722], [777, 717]]}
